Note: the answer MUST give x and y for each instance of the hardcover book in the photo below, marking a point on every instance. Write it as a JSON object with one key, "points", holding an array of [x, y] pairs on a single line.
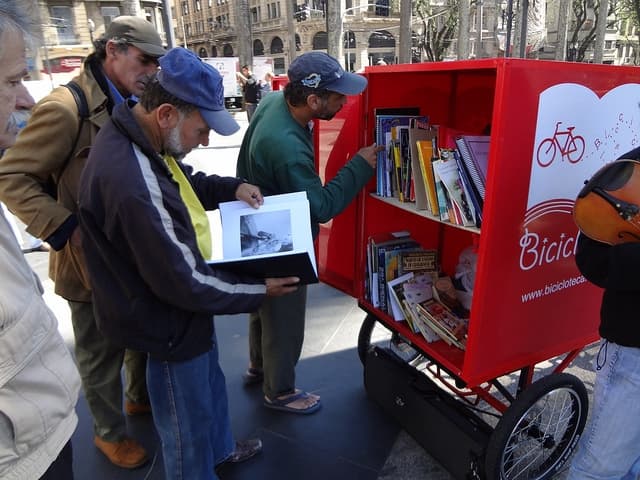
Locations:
{"points": [[272, 241]]}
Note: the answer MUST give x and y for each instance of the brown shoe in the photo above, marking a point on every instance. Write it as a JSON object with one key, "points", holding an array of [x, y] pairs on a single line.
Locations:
{"points": [[134, 409], [127, 453]]}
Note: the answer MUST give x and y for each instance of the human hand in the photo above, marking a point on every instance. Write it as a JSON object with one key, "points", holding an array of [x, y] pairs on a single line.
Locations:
{"points": [[370, 153], [250, 193], [277, 287]]}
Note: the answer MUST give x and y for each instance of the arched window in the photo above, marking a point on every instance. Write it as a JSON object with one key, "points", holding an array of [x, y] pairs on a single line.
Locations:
{"points": [[227, 50], [214, 52], [320, 41], [349, 40], [381, 39], [202, 52], [258, 47], [276, 45]]}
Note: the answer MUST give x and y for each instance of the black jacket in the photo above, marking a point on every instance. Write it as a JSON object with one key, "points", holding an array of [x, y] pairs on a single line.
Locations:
{"points": [[616, 269], [152, 289]]}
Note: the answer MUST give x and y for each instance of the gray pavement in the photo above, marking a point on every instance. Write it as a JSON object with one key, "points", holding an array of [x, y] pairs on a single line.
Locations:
{"points": [[407, 460]]}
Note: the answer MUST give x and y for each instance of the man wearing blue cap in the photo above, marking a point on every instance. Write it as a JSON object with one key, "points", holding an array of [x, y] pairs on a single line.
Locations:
{"points": [[277, 155], [146, 238]]}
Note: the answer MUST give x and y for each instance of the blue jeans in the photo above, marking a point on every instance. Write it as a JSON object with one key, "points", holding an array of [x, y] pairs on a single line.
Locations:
{"points": [[609, 448], [191, 415]]}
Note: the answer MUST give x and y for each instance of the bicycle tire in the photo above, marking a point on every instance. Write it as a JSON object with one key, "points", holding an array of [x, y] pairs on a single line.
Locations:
{"points": [[539, 431], [578, 143]]}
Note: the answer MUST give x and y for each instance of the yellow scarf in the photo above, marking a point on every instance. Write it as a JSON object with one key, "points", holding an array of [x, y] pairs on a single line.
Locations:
{"points": [[199, 218]]}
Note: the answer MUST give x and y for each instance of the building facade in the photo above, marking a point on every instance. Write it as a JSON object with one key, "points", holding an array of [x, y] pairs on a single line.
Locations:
{"points": [[68, 30]]}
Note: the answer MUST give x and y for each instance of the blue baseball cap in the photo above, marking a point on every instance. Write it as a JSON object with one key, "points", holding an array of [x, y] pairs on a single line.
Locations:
{"points": [[321, 70], [184, 75]]}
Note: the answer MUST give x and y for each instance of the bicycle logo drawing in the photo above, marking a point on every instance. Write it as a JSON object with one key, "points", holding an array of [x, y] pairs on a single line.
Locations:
{"points": [[566, 142]]}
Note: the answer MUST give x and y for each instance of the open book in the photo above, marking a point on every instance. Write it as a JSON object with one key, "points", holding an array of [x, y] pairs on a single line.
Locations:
{"points": [[272, 241]]}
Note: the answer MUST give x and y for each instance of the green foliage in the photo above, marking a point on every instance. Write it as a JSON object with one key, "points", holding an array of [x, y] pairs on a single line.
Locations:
{"points": [[439, 24]]}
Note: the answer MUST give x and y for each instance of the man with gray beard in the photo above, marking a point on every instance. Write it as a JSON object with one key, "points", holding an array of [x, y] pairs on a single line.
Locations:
{"points": [[146, 238]]}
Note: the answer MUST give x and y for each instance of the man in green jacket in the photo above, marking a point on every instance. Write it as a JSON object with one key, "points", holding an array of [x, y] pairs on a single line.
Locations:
{"points": [[277, 155], [39, 178]]}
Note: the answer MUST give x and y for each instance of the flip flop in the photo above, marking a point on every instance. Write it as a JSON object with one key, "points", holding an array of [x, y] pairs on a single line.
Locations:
{"points": [[253, 376], [282, 404]]}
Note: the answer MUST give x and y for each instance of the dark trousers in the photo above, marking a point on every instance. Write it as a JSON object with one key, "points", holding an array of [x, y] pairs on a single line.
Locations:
{"points": [[62, 467]]}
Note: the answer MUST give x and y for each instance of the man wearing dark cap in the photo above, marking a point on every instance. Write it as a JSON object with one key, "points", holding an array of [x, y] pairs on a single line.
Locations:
{"points": [[277, 155], [146, 237], [39, 183]]}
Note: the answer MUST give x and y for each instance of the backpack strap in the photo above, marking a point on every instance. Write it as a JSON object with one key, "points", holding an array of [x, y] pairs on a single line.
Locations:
{"points": [[83, 114]]}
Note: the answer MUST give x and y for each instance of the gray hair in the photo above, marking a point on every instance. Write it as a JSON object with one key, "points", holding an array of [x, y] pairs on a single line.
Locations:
{"points": [[20, 17]]}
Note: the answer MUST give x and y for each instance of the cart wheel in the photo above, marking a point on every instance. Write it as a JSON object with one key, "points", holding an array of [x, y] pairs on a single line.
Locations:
{"points": [[364, 337], [539, 431]]}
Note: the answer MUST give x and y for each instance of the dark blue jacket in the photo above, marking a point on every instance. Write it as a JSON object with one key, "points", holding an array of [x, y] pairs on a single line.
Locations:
{"points": [[152, 289]]}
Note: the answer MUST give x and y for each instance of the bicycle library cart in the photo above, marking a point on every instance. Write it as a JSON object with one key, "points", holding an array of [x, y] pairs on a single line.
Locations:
{"points": [[551, 126]]}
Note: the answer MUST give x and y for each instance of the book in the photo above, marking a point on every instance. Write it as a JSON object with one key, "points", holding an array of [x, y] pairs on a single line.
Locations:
{"points": [[417, 290], [470, 189], [451, 328], [420, 131], [374, 242], [388, 265], [269, 242], [474, 150], [447, 170], [396, 297], [426, 154], [385, 119], [420, 261], [445, 207]]}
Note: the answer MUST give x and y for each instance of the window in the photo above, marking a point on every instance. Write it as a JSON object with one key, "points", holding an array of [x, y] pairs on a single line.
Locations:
{"points": [[273, 10], [277, 45], [382, 8], [62, 18], [278, 66], [349, 39], [255, 14], [320, 41], [198, 6], [258, 48], [108, 14], [185, 8]]}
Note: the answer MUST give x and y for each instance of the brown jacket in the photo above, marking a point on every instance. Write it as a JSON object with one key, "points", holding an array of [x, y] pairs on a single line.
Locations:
{"points": [[42, 162]]}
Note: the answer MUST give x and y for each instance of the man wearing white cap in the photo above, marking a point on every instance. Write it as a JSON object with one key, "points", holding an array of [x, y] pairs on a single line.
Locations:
{"points": [[146, 237]]}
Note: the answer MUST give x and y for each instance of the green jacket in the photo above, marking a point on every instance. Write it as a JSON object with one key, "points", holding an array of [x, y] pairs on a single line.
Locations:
{"points": [[277, 155], [42, 165]]}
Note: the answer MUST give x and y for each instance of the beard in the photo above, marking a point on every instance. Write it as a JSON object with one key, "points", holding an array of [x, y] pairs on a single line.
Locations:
{"points": [[173, 146]]}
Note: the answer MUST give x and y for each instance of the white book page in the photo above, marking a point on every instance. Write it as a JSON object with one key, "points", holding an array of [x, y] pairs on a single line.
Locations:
{"points": [[281, 226]]}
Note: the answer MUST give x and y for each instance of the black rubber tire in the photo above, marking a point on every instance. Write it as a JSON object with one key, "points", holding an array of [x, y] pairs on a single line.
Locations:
{"points": [[539, 431], [364, 337]]}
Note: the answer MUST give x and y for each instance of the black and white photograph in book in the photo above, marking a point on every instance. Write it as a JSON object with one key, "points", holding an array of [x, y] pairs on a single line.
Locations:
{"points": [[265, 232]]}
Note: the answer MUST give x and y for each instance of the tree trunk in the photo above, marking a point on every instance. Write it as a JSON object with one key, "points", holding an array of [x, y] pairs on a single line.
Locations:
{"points": [[463, 30], [243, 33], [334, 30], [601, 30], [291, 29], [563, 25], [405, 32]]}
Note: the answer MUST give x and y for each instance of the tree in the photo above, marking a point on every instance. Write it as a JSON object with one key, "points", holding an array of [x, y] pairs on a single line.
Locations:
{"points": [[628, 12], [583, 35], [439, 24]]}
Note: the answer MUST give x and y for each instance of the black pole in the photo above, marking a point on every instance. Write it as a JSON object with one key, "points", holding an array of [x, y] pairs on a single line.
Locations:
{"points": [[507, 43]]}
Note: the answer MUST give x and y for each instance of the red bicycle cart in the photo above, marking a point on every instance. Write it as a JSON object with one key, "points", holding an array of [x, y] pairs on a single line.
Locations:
{"points": [[530, 303]]}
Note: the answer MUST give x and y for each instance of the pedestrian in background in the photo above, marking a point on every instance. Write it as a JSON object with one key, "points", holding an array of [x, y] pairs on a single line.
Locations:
{"points": [[250, 90], [39, 178], [146, 238], [277, 155], [39, 382]]}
